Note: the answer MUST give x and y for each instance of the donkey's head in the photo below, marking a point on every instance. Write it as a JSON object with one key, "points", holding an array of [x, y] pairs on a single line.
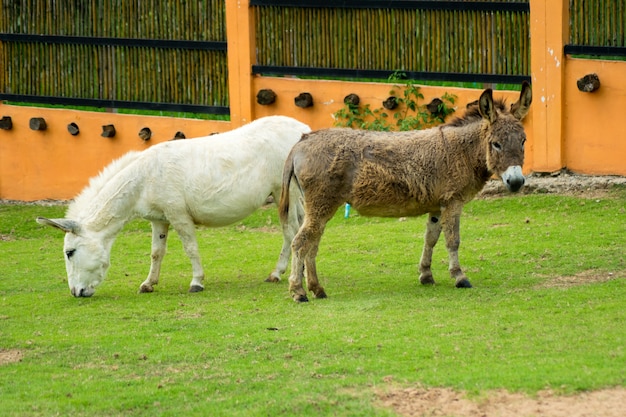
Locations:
{"points": [[86, 256], [505, 136]]}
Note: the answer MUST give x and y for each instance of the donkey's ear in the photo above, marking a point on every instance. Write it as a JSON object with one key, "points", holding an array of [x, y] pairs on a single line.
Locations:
{"points": [[486, 107], [67, 225], [520, 108]]}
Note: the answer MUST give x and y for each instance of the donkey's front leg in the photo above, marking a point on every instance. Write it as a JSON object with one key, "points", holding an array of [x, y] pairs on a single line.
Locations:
{"points": [[187, 232], [159, 247], [433, 230], [451, 221]]}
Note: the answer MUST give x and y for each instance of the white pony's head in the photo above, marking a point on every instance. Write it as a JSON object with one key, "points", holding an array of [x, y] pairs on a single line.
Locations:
{"points": [[86, 256]]}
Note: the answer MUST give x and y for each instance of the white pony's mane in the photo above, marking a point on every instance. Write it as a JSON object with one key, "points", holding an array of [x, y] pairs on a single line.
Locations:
{"points": [[91, 191]]}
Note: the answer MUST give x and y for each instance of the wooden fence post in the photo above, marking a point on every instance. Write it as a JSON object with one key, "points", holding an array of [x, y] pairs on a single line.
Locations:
{"points": [[241, 53], [549, 27]]}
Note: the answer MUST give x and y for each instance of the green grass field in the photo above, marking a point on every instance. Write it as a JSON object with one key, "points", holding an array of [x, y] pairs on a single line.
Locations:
{"points": [[547, 310]]}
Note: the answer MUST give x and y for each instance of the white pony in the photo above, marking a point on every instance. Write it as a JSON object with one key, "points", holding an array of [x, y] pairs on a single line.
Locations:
{"points": [[213, 181]]}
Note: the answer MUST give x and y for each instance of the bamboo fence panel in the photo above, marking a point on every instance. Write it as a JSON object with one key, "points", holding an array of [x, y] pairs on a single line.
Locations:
{"points": [[598, 22], [149, 19], [459, 41], [118, 73], [128, 73]]}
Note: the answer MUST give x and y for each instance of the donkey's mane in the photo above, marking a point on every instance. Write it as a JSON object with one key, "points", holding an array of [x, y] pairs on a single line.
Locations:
{"points": [[91, 191], [472, 113]]}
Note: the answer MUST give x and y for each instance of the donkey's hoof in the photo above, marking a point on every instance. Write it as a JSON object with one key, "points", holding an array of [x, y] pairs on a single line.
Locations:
{"points": [[427, 280], [320, 294], [300, 298], [464, 283], [196, 288], [145, 289]]}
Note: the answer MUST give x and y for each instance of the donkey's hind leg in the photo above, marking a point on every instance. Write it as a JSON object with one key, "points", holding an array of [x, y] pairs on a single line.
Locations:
{"points": [[308, 240], [312, 282], [305, 245], [295, 279], [159, 247], [433, 230]]}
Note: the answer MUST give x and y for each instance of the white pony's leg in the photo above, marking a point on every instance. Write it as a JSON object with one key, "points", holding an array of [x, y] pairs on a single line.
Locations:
{"points": [[187, 232], [433, 230], [159, 247], [296, 212]]}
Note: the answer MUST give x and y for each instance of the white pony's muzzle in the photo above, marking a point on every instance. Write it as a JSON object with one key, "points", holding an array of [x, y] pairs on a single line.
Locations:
{"points": [[82, 292], [513, 178]]}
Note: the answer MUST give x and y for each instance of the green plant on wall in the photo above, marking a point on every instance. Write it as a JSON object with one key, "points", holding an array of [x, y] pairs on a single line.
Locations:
{"points": [[361, 117], [408, 112]]}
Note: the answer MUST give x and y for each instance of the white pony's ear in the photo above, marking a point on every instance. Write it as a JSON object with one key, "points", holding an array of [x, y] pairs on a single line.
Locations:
{"points": [[67, 225], [486, 107]]}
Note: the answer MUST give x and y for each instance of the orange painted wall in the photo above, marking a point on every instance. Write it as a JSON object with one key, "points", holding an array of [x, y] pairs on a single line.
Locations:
{"points": [[53, 164], [594, 138]]}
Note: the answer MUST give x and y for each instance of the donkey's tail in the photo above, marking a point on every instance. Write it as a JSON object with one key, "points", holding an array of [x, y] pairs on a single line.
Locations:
{"points": [[288, 174]]}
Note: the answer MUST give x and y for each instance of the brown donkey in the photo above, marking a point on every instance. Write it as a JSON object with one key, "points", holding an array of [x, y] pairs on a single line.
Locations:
{"points": [[394, 174]]}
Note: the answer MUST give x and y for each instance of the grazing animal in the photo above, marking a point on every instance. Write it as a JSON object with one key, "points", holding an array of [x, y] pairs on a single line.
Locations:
{"points": [[212, 181], [394, 174]]}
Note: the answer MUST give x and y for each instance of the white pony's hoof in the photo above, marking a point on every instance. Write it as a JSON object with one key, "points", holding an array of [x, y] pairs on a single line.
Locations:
{"points": [[196, 288], [145, 288], [272, 278]]}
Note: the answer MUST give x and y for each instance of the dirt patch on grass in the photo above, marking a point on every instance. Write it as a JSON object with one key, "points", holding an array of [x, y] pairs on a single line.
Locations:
{"points": [[10, 356], [419, 402], [6, 238], [582, 278]]}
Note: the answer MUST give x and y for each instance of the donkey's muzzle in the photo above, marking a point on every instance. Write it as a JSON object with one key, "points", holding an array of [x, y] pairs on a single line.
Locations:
{"points": [[513, 178]]}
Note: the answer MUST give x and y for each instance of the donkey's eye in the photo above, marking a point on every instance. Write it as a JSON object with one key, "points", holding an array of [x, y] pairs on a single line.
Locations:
{"points": [[70, 253], [497, 146]]}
